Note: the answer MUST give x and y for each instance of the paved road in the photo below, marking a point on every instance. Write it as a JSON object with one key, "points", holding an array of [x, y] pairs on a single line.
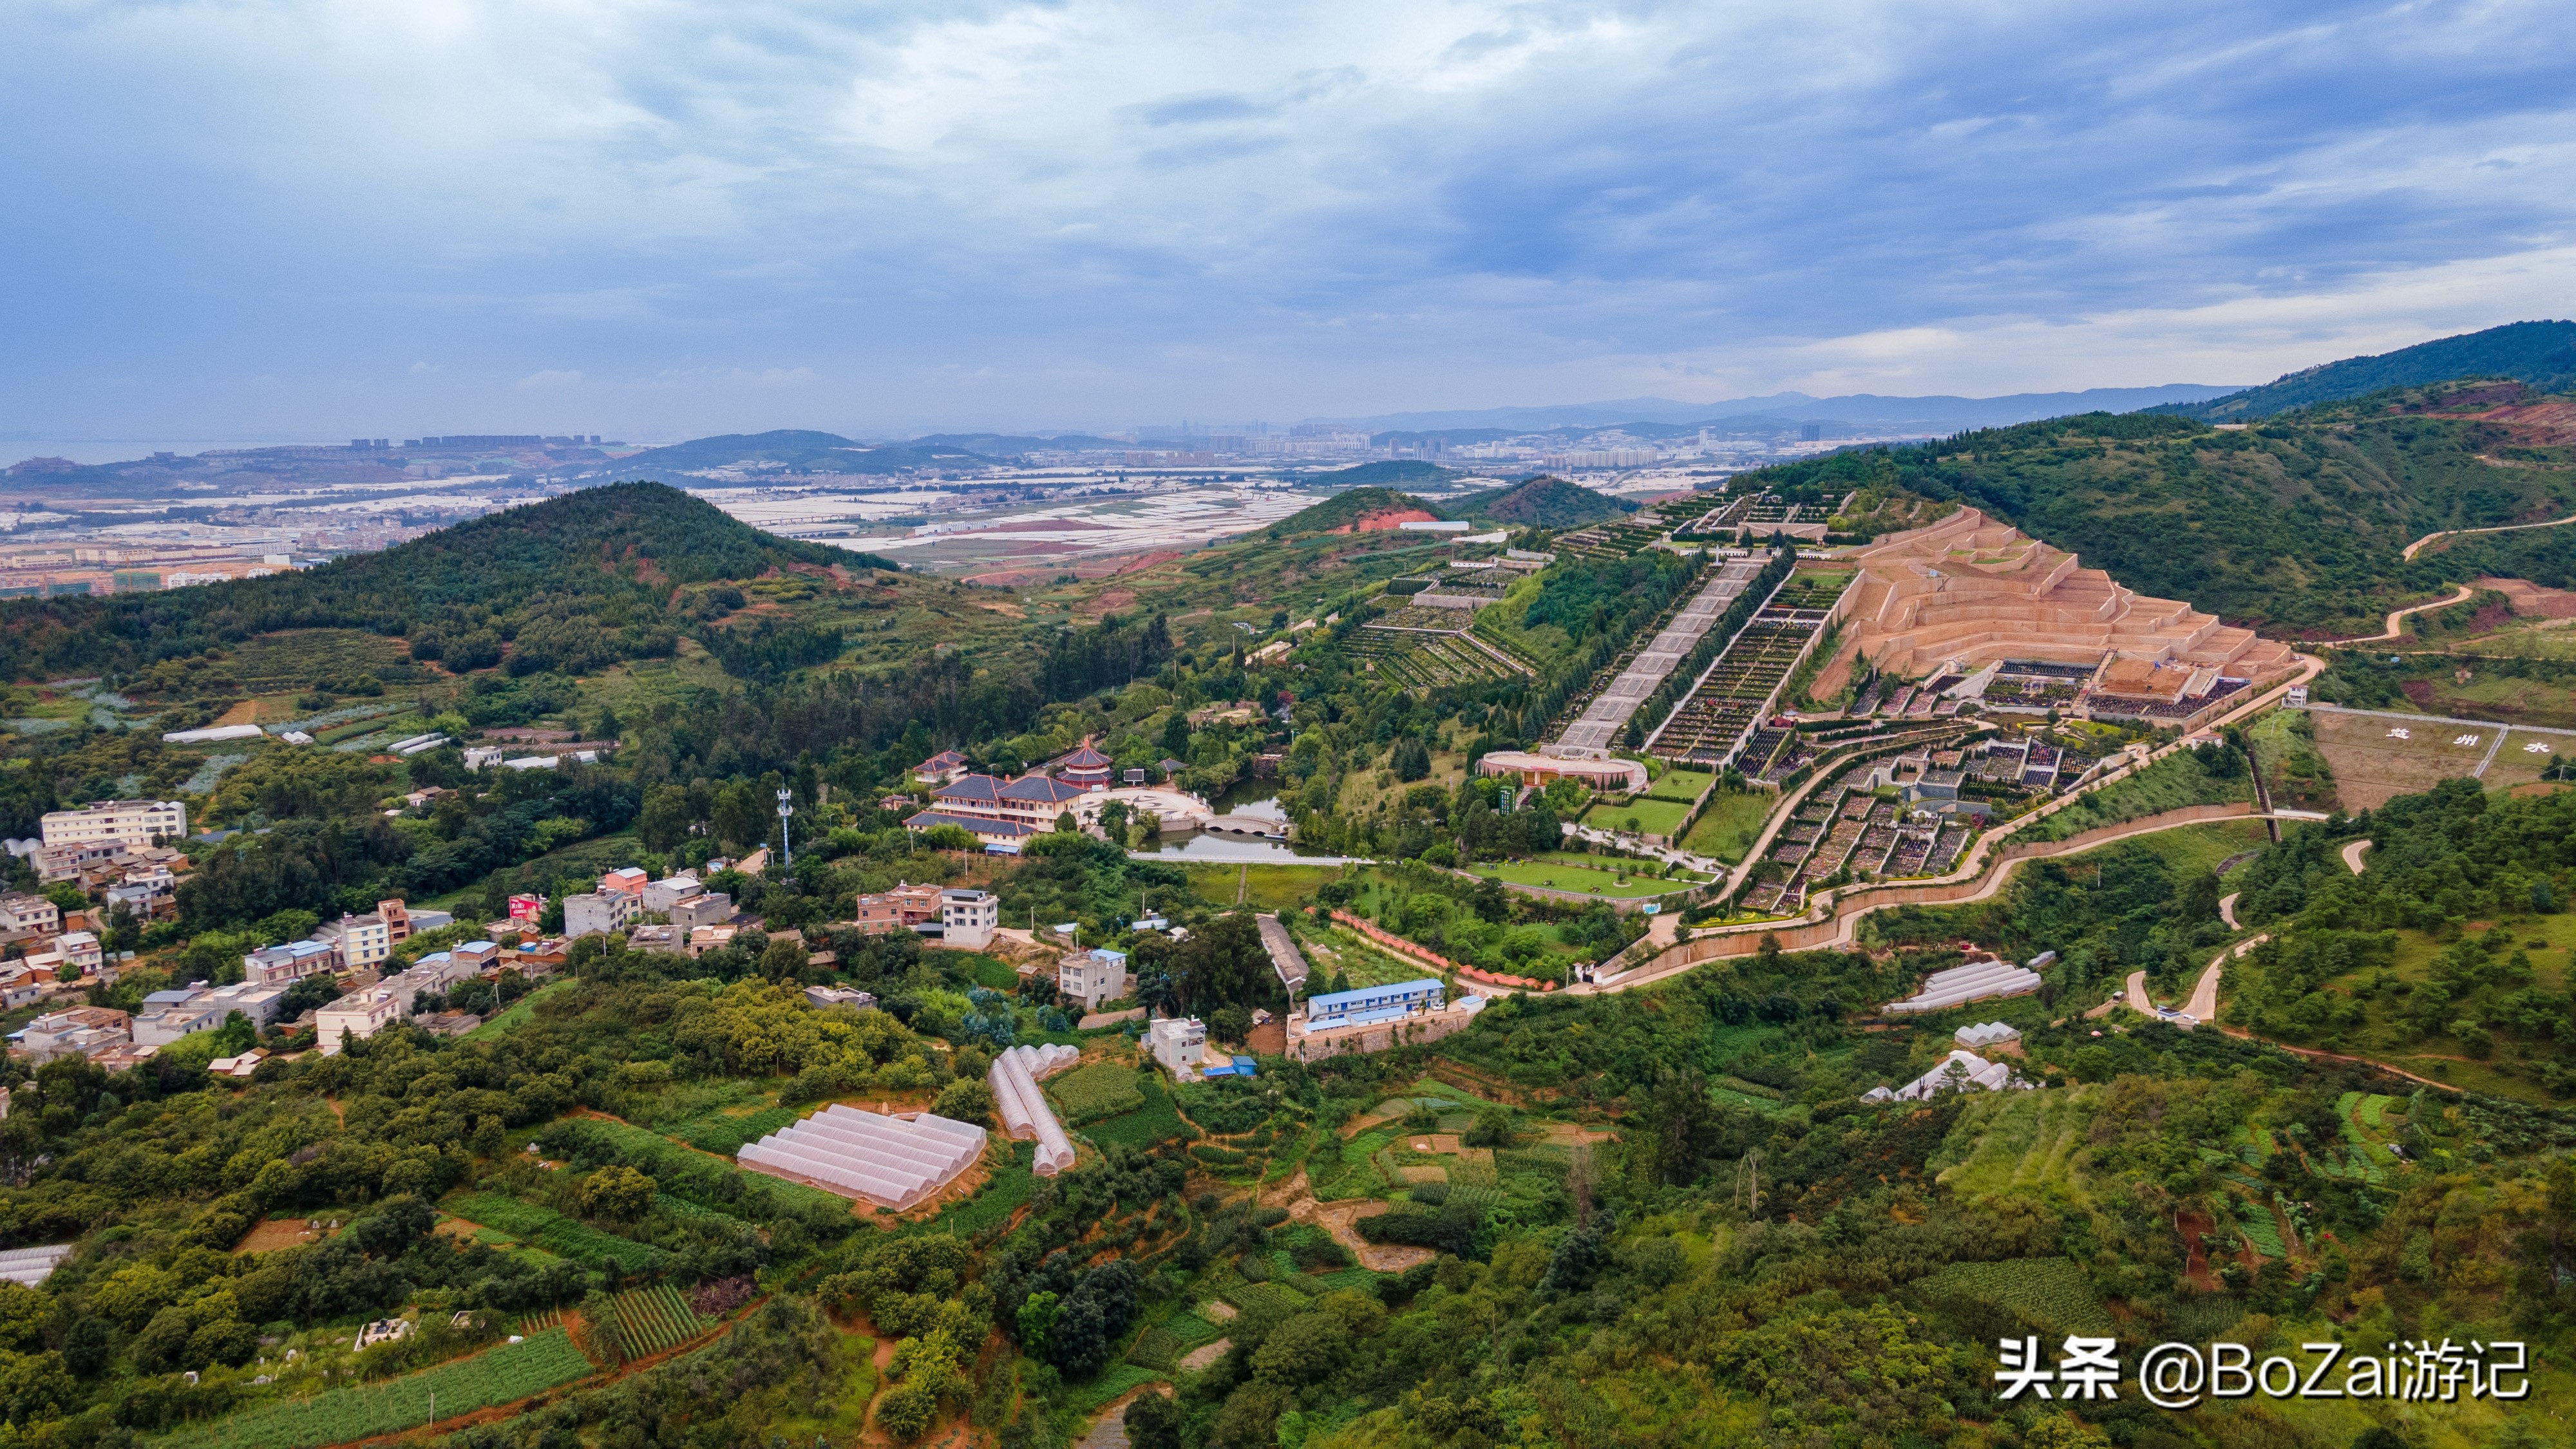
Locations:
{"points": [[2352, 855], [2203, 1005], [2138, 1001], [2227, 908]]}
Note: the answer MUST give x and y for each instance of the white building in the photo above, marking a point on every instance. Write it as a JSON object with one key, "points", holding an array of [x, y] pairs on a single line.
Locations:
{"points": [[968, 919], [22, 912], [362, 941], [669, 891], [1177, 1043], [361, 1014], [118, 822], [1974, 1073], [81, 949], [596, 913], [1092, 977]]}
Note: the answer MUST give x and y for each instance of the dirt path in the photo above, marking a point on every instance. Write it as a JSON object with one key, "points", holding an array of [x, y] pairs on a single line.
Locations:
{"points": [[2340, 1057], [1205, 1354], [1109, 1430], [2417, 546], [1341, 1218], [2227, 909], [2397, 618]]}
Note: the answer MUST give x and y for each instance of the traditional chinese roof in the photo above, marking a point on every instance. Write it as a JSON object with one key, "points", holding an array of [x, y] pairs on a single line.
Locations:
{"points": [[979, 789], [1040, 790]]}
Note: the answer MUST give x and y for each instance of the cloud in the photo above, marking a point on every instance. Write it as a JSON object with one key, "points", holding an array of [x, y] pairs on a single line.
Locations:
{"points": [[551, 379], [968, 208]]}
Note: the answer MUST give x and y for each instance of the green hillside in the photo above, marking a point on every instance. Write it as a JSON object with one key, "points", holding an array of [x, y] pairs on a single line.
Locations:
{"points": [[1344, 509], [587, 577], [1385, 473], [1541, 502], [2535, 352], [2296, 527]]}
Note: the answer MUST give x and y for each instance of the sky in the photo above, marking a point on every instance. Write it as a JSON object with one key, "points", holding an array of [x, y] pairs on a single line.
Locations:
{"points": [[668, 218]]}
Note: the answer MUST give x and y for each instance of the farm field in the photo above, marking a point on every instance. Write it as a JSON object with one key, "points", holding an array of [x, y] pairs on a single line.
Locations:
{"points": [[1156, 1121], [499, 1376], [1099, 1089], [552, 1231], [649, 1320]]}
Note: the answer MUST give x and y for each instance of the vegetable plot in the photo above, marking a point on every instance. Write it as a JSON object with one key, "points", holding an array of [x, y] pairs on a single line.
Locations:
{"points": [[504, 1375]]}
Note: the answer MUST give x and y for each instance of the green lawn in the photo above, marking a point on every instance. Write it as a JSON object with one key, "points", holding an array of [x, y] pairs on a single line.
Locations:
{"points": [[2175, 781], [1731, 824], [1654, 817], [1564, 873], [1677, 783]]}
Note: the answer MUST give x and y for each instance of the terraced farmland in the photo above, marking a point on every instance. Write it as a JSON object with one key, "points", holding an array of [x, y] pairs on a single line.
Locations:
{"points": [[503, 1375], [648, 1320]]}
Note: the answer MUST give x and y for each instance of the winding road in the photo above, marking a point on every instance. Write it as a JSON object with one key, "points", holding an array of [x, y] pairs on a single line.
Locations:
{"points": [[2395, 618], [2417, 546], [2352, 855], [2227, 909]]}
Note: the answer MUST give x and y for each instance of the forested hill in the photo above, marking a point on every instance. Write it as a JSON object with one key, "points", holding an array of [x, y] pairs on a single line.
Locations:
{"points": [[1541, 502], [594, 572], [2542, 353], [2296, 527]]}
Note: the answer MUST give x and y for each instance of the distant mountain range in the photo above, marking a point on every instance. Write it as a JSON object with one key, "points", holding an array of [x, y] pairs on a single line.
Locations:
{"points": [[1932, 414]]}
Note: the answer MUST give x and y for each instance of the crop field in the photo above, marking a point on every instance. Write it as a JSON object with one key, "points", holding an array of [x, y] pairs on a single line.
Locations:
{"points": [[725, 1136], [545, 1228], [2261, 1229], [503, 1375], [1156, 1121], [1277, 1298], [2027, 1143], [993, 1204], [2050, 1291], [650, 1320], [1089, 1093]]}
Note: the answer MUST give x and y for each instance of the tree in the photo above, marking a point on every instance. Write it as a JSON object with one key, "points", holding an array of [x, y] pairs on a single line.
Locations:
{"points": [[741, 818], [664, 821], [1036, 1322], [1231, 1023], [784, 959], [1176, 736], [1492, 1128], [965, 1100], [618, 1193], [1153, 1421], [907, 1410], [1679, 1128]]}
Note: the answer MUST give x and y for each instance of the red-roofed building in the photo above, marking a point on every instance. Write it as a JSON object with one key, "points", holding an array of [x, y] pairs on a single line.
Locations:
{"points": [[940, 768]]}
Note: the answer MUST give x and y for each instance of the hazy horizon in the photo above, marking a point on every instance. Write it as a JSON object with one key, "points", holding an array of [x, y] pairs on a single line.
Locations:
{"points": [[289, 221]]}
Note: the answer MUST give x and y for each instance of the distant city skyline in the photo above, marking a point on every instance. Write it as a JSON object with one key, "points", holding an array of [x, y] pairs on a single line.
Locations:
{"points": [[286, 221]]}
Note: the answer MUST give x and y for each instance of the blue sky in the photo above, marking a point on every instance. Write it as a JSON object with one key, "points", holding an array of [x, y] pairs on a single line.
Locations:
{"points": [[230, 217]]}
